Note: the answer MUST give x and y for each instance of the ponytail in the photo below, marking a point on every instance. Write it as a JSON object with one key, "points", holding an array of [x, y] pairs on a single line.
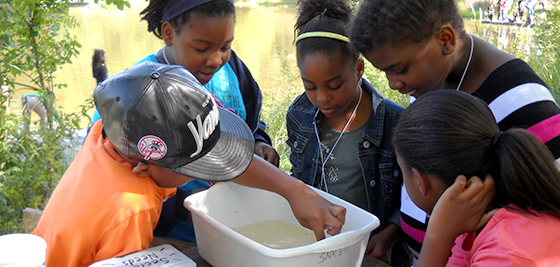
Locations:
{"points": [[528, 176], [338, 10]]}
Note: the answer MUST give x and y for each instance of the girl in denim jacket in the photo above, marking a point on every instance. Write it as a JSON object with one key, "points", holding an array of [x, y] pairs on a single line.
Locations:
{"points": [[340, 129]]}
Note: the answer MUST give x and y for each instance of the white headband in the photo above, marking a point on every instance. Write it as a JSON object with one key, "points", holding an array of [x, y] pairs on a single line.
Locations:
{"points": [[331, 35]]}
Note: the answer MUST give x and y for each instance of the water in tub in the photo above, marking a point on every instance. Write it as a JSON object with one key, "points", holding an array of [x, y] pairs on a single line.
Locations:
{"points": [[277, 234]]}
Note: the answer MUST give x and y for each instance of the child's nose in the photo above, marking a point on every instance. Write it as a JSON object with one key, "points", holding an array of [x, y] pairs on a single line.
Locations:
{"points": [[216, 59], [322, 96], [394, 82]]}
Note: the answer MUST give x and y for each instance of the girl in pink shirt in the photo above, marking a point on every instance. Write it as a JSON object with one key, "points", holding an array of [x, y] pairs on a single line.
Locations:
{"points": [[509, 218]]}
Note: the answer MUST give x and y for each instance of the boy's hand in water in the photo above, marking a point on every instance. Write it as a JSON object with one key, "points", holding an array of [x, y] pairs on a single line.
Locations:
{"points": [[311, 209], [315, 212]]}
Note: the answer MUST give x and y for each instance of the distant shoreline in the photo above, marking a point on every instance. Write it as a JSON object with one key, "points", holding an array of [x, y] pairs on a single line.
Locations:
{"points": [[507, 23], [77, 4]]}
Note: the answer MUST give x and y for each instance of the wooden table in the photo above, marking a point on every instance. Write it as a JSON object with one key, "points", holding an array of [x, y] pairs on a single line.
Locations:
{"points": [[200, 262]]}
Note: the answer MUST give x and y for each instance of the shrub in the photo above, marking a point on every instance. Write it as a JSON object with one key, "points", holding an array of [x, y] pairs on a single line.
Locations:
{"points": [[31, 161]]}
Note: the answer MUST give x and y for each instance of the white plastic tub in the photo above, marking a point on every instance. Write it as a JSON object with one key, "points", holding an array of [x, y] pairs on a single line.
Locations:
{"points": [[225, 206], [22, 250]]}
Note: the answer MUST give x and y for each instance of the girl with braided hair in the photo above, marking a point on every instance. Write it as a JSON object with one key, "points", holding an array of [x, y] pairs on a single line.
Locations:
{"points": [[198, 35]]}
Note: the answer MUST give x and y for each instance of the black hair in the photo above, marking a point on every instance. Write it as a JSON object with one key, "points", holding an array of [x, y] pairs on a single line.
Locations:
{"points": [[324, 15], [446, 133], [394, 22], [98, 58], [154, 11]]}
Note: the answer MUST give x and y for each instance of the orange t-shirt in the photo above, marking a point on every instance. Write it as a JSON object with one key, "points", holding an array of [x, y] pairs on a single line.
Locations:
{"points": [[99, 209]]}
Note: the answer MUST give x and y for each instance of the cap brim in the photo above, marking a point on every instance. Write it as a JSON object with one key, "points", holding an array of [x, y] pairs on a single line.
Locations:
{"points": [[230, 156]]}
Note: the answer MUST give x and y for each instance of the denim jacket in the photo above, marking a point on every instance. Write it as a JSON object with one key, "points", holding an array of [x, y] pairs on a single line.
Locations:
{"points": [[382, 175]]}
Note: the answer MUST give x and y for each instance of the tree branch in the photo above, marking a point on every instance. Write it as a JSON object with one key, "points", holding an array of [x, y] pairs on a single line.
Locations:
{"points": [[13, 7], [17, 68]]}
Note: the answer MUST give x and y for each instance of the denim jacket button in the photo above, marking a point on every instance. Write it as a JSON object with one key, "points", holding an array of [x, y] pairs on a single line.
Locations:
{"points": [[372, 183], [295, 144], [366, 144], [396, 173]]}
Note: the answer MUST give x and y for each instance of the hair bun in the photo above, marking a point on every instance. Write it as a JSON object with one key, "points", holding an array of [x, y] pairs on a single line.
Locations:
{"points": [[336, 9]]}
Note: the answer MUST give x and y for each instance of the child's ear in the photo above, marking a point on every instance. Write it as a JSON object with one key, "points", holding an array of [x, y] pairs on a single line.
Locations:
{"points": [[360, 66], [448, 39], [167, 33], [421, 181], [141, 170]]}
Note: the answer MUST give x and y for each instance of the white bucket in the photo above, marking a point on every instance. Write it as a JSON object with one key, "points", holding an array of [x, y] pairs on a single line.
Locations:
{"points": [[225, 206], [22, 250]]}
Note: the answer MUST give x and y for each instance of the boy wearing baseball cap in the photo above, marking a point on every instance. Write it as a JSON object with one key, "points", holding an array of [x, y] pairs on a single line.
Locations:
{"points": [[160, 129]]}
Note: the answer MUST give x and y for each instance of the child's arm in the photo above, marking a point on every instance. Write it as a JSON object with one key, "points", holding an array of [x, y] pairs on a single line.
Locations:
{"points": [[379, 244], [267, 152], [311, 210], [461, 209]]}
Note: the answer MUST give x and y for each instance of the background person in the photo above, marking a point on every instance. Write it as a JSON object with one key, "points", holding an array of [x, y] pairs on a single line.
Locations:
{"points": [[100, 73], [99, 69], [32, 103], [490, 11]]}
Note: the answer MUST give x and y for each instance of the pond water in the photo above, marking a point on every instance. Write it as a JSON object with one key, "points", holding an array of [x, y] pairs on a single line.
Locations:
{"points": [[263, 38], [260, 34]]}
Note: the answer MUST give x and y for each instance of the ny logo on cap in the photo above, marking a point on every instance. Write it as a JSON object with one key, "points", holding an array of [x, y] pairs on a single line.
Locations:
{"points": [[152, 147]]}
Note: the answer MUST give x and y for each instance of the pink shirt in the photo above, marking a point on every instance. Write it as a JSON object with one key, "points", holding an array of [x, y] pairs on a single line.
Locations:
{"points": [[511, 238]]}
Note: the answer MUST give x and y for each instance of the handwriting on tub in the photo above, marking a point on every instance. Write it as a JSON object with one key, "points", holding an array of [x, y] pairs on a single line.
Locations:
{"points": [[325, 256]]}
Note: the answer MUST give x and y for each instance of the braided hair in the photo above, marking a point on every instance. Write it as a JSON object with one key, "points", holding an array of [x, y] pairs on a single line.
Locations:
{"points": [[153, 14]]}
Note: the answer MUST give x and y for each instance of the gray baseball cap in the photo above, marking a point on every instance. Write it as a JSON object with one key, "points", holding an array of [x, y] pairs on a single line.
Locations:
{"points": [[161, 114]]}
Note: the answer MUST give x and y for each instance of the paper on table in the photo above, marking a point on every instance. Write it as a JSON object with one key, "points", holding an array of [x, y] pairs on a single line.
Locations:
{"points": [[163, 255]]}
